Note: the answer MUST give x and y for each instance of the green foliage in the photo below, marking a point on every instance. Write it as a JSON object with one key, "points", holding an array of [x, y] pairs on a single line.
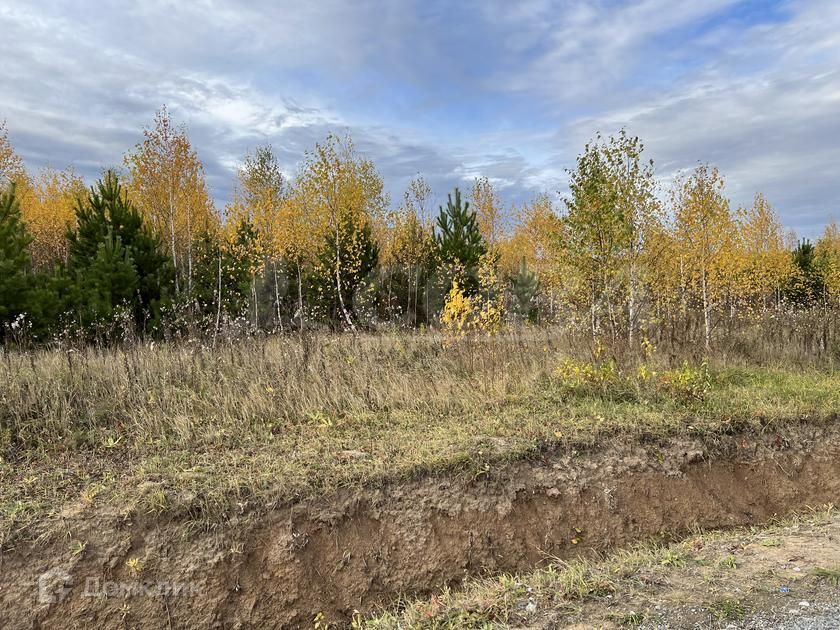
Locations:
{"points": [[222, 274], [459, 243], [348, 256], [685, 386], [728, 609], [14, 259], [806, 288], [114, 260], [832, 576], [524, 286]]}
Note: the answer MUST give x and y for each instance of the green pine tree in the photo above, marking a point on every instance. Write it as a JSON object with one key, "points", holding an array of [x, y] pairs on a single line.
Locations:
{"points": [[109, 280], [459, 243], [114, 259], [524, 286], [807, 287], [14, 260]]}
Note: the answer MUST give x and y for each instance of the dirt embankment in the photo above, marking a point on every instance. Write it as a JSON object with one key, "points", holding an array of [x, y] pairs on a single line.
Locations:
{"points": [[358, 549]]}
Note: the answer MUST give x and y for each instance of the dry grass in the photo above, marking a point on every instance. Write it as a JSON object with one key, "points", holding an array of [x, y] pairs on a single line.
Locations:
{"points": [[202, 435]]}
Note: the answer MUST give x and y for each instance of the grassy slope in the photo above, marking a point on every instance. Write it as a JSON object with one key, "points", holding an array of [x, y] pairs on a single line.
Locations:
{"points": [[200, 435], [707, 580]]}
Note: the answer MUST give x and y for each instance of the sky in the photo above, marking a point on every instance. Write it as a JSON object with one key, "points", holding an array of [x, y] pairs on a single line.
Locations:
{"points": [[511, 90]]}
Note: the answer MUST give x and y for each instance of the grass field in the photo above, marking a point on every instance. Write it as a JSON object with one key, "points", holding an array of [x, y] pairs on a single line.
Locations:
{"points": [[202, 435]]}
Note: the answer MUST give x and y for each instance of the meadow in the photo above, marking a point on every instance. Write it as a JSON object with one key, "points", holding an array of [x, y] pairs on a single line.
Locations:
{"points": [[199, 434]]}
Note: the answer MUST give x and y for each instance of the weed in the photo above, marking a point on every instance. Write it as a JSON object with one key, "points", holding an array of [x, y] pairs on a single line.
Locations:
{"points": [[687, 384], [632, 619], [727, 609], [670, 557], [728, 562], [832, 576], [134, 566]]}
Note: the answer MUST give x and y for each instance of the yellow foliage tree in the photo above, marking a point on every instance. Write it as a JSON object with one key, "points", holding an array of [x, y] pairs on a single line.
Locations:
{"points": [[827, 254], [338, 190], [488, 208], [612, 208], [539, 239], [704, 240], [166, 182], [260, 197], [49, 209], [296, 240], [766, 263], [411, 241]]}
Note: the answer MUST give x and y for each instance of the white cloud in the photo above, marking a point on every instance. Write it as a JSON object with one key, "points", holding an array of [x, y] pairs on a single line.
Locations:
{"points": [[510, 90]]}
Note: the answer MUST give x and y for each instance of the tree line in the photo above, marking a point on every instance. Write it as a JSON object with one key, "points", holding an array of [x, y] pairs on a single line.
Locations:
{"points": [[145, 251]]}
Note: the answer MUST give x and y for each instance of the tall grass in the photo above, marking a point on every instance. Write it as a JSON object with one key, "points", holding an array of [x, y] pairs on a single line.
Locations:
{"points": [[189, 393], [202, 432]]}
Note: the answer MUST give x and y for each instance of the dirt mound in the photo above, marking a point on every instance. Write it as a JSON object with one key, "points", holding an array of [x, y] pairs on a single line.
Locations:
{"points": [[358, 549]]}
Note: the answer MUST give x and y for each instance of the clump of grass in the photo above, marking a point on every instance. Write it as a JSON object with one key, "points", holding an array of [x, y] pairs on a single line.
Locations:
{"points": [[671, 557], [580, 579], [632, 619], [832, 576], [727, 609], [728, 562]]}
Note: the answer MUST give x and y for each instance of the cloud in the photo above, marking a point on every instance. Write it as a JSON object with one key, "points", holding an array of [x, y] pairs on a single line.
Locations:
{"points": [[506, 90], [764, 110]]}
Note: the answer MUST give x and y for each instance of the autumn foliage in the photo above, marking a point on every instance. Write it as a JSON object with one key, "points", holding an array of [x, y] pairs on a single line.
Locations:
{"points": [[624, 258]]}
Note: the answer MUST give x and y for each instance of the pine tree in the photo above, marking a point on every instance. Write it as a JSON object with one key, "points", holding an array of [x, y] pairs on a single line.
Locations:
{"points": [[806, 287], [114, 259], [459, 243], [109, 280], [14, 259], [524, 286]]}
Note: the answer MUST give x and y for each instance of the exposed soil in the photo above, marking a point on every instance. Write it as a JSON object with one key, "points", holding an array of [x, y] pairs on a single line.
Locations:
{"points": [[361, 548]]}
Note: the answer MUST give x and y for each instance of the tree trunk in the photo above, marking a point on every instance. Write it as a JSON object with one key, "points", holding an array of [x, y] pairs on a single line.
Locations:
{"points": [[300, 299], [631, 307], [218, 300], [189, 252], [343, 308], [390, 280], [254, 297], [172, 239], [277, 295], [707, 312]]}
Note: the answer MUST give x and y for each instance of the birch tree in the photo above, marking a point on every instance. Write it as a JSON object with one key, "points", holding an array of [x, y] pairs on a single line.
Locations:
{"points": [[167, 183], [704, 238], [343, 195]]}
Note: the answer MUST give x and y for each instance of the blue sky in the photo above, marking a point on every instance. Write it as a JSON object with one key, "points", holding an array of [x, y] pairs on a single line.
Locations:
{"points": [[510, 90]]}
